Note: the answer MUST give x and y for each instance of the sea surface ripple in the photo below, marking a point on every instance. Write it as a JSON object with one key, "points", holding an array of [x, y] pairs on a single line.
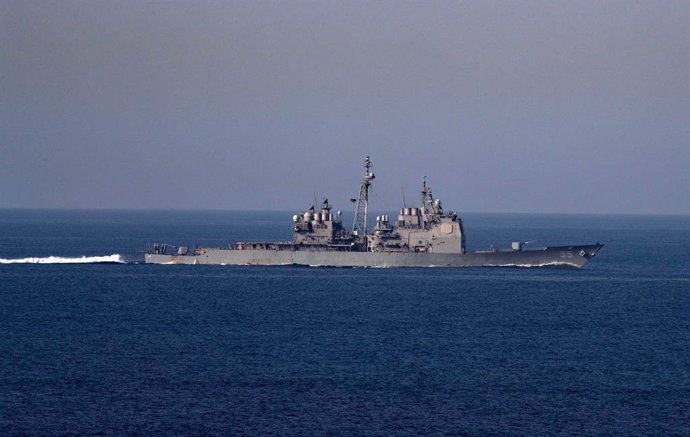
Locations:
{"points": [[129, 348]]}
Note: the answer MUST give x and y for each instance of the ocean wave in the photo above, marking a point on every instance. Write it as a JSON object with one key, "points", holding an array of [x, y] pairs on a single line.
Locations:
{"points": [[529, 266], [115, 258]]}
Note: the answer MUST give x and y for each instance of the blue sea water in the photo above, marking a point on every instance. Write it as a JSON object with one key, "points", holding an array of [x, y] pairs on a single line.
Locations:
{"points": [[144, 349]]}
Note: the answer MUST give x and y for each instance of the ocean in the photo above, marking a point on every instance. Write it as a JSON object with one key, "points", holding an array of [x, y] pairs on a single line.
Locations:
{"points": [[93, 341]]}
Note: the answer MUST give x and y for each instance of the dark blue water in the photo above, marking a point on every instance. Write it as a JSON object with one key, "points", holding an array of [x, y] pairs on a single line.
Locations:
{"points": [[134, 348]]}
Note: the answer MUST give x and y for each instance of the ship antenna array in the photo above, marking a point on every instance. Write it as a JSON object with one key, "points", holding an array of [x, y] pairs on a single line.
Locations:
{"points": [[359, 224]]}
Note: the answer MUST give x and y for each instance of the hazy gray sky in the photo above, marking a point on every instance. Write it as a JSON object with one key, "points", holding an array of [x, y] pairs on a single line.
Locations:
{"points": [[530, 106]]}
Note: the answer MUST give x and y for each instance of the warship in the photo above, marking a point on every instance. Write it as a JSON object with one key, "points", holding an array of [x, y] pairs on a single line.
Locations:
{"points": [[424, 236]]}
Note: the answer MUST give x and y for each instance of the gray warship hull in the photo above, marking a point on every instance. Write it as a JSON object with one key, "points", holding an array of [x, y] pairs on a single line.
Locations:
{"points": [[567, 256], [424, 236]]}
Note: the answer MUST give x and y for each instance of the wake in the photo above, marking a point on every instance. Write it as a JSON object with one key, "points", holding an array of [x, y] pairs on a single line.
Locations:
{"points": [[115, 258]]}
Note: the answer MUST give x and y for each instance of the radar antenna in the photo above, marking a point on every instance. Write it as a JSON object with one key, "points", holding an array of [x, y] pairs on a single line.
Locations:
{"points": [[359, 225]]}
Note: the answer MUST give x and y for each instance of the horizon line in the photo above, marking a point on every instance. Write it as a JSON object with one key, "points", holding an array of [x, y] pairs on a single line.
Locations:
{"points": [[163, 209]]}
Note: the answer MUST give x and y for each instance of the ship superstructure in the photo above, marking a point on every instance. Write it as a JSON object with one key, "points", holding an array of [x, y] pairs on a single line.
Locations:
{"points": [[426, 228]]}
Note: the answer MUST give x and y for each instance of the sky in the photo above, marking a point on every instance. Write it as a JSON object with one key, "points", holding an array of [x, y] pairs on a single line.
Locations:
{"points": [[530, 106]]}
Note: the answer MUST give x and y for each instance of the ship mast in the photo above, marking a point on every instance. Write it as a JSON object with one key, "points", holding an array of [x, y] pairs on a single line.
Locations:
{"points": [[359, 225], [427, 201]]}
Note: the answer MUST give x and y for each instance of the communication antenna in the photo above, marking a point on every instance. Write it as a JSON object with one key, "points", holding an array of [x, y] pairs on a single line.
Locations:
{"points": [[359, 224], [404, 203]]}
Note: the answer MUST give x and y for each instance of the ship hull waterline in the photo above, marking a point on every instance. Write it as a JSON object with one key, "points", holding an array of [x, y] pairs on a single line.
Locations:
{"points": [[566, 256]]}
